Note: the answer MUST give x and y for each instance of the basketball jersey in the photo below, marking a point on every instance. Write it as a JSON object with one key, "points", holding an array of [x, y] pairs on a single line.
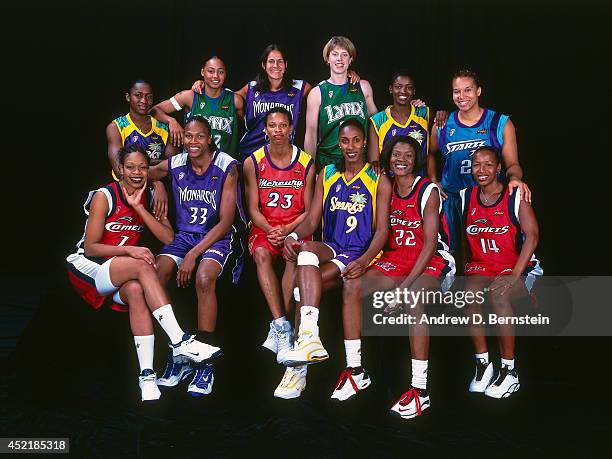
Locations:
{"points": [[406, 237], [220, 112], [338, 103], [197, 197], [122, 225], [493, 232], [153, 142], [349, 208], [416, 126], [281, 191], [258, 104], [457, 142]]}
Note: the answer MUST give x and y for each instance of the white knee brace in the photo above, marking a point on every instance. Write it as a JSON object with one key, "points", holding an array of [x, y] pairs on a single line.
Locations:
{"points": [[307, 259]]}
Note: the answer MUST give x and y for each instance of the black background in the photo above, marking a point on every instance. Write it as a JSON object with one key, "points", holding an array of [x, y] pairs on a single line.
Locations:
{"points": [[66, 67]]}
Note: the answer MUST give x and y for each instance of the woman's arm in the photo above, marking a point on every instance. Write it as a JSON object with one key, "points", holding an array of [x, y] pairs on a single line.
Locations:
{"points": [[252, 196], [161, 111], [509, 153], [383, 198], [114, 144], [531, 231], [159, 171], [373, 150], [313, 103], [239, 106], [94, 231], [161, 229], [431, 226], [227, 210], [369, 97]]}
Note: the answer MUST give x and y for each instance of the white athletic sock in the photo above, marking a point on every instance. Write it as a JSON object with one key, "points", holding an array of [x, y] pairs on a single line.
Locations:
{"points": [[145, 348], [352, 348], [165, 316], [484, 356], [280, 321], [508, 363], [309, 316], [419, 373]]}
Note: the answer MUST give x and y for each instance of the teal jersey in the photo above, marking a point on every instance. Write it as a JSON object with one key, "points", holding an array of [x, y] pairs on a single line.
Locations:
{"points": [[221, 114]]}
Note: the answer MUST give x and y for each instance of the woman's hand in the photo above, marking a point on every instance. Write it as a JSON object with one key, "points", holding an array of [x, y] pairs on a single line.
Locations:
{"points": [[185, 270], [140, 253]]}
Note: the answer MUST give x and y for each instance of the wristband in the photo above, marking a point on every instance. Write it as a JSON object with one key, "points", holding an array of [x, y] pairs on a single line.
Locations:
{"points": [[175, 104], [293, 235]]}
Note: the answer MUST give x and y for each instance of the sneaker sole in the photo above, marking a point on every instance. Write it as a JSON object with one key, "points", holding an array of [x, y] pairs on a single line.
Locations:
{"points": [[299, 363], [408, 416], [336, 399], [513, 388]]}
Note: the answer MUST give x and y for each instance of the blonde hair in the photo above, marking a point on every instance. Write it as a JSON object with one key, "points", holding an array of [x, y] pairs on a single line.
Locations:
{"points": [[339, 42]]}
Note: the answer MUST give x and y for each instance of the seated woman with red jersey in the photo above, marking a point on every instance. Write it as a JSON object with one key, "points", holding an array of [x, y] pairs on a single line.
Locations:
{"points": [[500, 232], [109, 264]]}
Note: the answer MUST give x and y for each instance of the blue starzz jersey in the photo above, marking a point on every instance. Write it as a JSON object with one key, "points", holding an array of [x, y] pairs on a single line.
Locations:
{"points": [[349, 208], [197, 197], [457, 142]]}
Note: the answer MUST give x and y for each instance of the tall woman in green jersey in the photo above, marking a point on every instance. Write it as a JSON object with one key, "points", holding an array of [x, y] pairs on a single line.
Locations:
{"points": [[335, 100], [220, 106]]}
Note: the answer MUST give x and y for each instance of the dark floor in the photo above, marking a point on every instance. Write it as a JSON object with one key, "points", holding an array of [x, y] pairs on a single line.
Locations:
{"points": [[74, 374]]}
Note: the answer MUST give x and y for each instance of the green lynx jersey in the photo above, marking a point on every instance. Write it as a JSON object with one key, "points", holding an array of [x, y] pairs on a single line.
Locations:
{"points": [[221, 114], [338, 103]]}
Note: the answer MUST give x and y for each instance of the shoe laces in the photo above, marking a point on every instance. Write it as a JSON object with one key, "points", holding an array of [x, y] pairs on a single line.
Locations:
{"points": [[344, 376], [412, 394]]}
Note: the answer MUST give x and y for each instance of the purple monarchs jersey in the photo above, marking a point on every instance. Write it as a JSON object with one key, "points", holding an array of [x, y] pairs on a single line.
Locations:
{"points": [[257, 106], [197, 197]]}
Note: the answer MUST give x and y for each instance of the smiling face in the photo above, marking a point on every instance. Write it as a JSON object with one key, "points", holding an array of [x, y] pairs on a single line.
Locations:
{"points": [[214, 73], [485, 167], [402, 159], [196, 139], [134, 169], [278, 128], [402, 89], [275, 65], [465, 93], [351, 141], [140, 98], [339, 60]]}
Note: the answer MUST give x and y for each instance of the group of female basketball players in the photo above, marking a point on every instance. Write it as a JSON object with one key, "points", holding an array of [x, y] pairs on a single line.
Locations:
{"points": [[367, 179]]}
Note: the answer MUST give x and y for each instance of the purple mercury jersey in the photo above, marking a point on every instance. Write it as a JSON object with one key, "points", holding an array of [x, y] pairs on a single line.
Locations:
{"points": [[197, 197], [257, 106]]}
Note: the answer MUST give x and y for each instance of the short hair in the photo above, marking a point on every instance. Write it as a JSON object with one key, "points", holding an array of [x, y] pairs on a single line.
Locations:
{"points": [[340, 42], [199, 119], [352, 122], [399, 73], [385, 155], [490, 149], [139, 81], [125, 152], [464, 73], [281, 110]]}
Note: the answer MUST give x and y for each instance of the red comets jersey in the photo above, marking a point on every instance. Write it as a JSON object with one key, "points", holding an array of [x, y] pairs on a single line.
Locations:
{"points": [[493, 233], [281, 191], [123, 225], [406, 238]]}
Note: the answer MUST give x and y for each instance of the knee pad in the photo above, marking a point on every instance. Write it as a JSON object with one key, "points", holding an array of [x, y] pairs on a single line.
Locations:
{"points": [[307, 259], [296, 294]]}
